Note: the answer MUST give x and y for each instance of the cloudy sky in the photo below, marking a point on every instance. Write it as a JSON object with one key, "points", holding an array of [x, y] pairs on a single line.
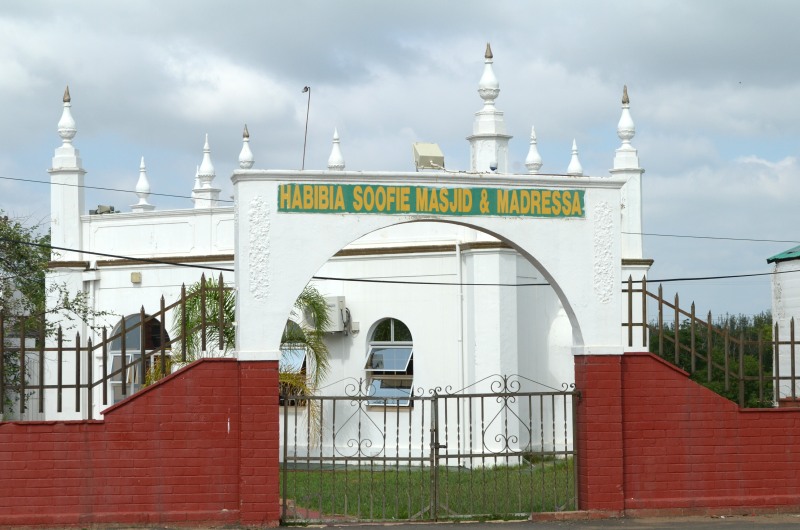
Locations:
{"points": [[714, 88]]}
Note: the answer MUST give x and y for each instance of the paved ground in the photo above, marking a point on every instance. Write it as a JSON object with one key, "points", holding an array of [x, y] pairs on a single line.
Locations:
{"points": [[728, 522], [736, 522]]}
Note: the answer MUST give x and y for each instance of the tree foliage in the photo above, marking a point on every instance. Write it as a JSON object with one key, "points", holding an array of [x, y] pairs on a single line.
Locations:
{"points": [[752, 334], [24, 255], [202, 316], [307, 334]]}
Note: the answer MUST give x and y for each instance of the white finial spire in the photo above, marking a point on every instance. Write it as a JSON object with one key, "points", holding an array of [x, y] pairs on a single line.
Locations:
{"points": [[575, 169], [205, 195], [534, 160], [489, 86], [336, 160], [246, 159], [142, 190], [207, 172], [489, 141], [67, 194], [66, 125], [626, 156], [625, 128]]}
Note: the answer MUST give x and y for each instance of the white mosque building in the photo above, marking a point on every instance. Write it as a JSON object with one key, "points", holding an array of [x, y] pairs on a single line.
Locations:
{"points": [[456, 304]]}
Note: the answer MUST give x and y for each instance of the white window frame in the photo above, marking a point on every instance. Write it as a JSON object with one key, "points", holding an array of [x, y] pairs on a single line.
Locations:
{"points": [[294, 349], [399, 394], [400, 398], [374, 346]]}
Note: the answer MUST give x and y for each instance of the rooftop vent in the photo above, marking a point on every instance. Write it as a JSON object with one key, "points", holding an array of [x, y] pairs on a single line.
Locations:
{"points": [[428, 156], [102, 209]]}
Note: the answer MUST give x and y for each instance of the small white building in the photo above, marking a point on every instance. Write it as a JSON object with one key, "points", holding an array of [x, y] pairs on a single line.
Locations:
{"points": [[416, 305], [786, 304]]}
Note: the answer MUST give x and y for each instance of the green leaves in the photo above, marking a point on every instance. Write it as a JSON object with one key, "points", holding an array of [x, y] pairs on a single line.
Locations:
{"points": [[206, 301], [24, 255]]}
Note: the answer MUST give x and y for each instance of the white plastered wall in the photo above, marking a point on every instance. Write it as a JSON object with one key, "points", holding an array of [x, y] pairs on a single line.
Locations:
{"points": [[278, 253]]}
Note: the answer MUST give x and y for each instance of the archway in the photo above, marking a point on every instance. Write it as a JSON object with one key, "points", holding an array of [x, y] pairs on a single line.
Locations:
{"points": [[280, 245], [473, 304]]}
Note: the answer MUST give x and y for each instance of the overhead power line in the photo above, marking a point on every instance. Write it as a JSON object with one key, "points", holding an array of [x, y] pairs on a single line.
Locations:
{"points": [[378, 280], [752, 240], [101, 188], [117, 256], [648, 234]]}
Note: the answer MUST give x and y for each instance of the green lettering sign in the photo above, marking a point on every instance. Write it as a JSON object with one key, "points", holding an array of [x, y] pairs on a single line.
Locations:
{"points": [[427, 200]]}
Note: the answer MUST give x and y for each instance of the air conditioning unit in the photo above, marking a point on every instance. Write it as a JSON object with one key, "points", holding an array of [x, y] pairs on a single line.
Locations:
{"points": [[337, 311]]}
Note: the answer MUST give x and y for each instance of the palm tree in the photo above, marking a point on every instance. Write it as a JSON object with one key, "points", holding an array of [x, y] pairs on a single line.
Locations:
{"points": [[308, 334], [202, 316], [206, 302]]}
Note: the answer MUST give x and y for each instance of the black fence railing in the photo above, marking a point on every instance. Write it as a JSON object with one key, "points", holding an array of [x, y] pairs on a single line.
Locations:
{"points": [[753, 365], [39, 362], [504, 447]]}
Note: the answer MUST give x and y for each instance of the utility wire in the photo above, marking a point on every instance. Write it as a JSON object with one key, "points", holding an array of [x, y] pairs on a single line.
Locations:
{"points": [[407, 282], [101, 188], [117, 256], [649, 234], [375, 280], [712, 237]]}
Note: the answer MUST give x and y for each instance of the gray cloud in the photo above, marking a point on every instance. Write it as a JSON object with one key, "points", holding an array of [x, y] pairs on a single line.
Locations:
{"points": [[713, 89]]}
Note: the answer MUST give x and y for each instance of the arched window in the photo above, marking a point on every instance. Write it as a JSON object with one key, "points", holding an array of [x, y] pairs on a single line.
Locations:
{"points": [[390, 364], [133, 349]]}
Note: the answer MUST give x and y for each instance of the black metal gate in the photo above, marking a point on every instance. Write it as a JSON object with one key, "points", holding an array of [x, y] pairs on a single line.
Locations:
{"points": [[489, 450]]}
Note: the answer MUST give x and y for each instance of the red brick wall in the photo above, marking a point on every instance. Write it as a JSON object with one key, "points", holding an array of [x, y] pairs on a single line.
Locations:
{"points": [[195, 447], [686, 449], [599, 426]]}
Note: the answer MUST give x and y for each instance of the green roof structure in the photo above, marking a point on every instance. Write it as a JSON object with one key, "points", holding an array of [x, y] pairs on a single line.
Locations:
{"points": [[786, 255]]}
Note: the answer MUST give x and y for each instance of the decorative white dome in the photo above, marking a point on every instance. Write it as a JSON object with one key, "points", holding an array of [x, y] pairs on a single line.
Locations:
{"points": [[534, 160], [336, 160], [246, 159], [575, 168]]}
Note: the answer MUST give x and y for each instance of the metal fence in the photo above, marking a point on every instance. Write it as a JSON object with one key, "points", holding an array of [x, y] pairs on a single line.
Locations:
{"points": [[755, 367], [489, 450], [39, 363]]}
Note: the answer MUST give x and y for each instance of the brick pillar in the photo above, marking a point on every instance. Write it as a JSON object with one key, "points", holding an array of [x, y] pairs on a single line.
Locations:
{"points": [[600, 441], [259, 470]]}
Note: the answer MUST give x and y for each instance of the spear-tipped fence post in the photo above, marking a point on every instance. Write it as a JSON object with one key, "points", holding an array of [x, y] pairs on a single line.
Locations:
{"points": [[105, 366], [777, 365], [741, 369], [203, 314], [726, 346], [629, 292], [184, 335], [162, 336], [142, 349], [22, 377], [42, 332], [60, 368], [221, 313], [660, 321], [676, 331], [760, 366], [124, 357], [89, 377], [77, 372], [709, 347], [693, 319], [645, 328], [792, 360]]}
